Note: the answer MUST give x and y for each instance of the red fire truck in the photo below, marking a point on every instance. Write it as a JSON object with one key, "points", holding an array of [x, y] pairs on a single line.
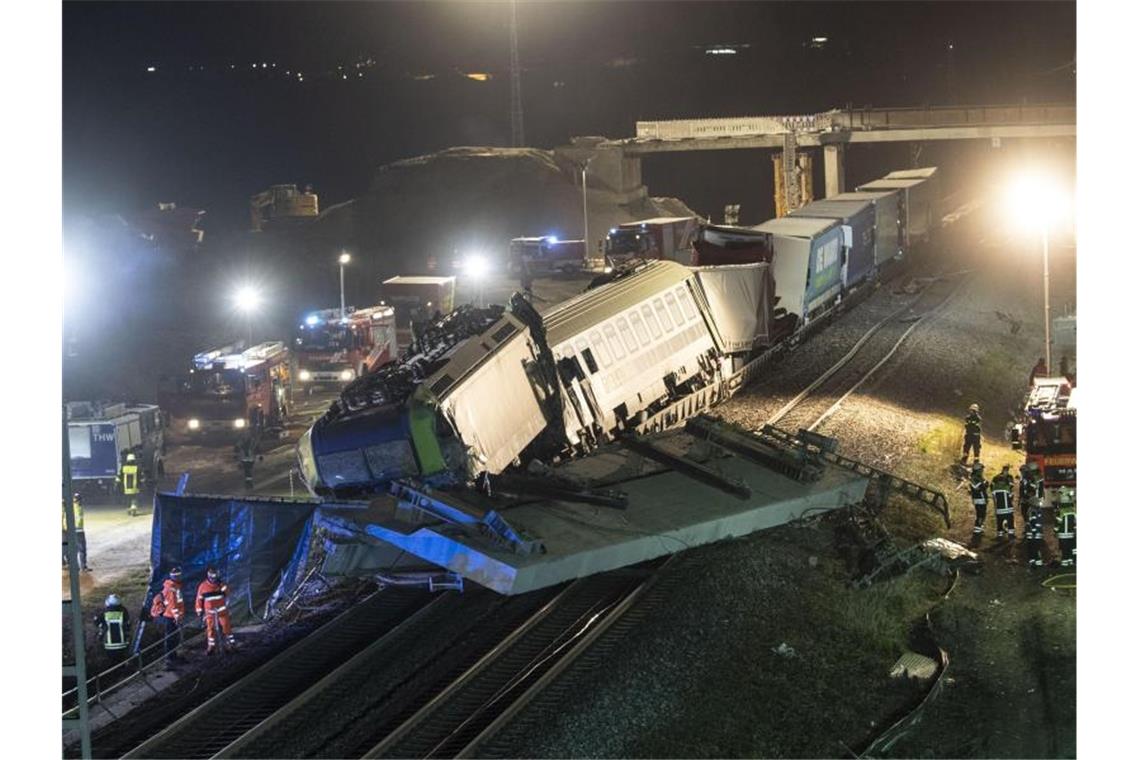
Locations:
{"points": [[332, 350], [1047, 430], [229, 392]]}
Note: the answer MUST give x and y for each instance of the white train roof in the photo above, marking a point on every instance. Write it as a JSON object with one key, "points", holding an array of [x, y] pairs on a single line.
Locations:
{"points": [[594, 306]]}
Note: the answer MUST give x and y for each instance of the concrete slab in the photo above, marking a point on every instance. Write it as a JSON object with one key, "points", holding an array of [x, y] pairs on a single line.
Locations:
{"points": [[667, 512]]}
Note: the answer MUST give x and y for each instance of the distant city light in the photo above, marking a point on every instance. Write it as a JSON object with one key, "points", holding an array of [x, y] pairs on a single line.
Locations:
{"points": [[720, 51], [253, 65], [819, 40], [151, 69], [478, 76]]}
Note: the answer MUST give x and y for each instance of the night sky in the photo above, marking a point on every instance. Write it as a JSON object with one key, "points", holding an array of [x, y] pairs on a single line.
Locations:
{"points": [[200, 133]]}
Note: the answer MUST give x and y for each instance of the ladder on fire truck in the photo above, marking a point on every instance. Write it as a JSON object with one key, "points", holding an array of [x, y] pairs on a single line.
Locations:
{"points": [[823, 447], [1049, 395]]}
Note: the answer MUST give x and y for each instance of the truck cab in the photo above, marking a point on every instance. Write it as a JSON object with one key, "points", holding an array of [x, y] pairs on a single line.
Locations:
{"points": [[229, 393], [332, 350]]}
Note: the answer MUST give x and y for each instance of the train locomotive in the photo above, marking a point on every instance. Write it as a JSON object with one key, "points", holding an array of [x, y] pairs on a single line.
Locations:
{"points": [[485, 390]]}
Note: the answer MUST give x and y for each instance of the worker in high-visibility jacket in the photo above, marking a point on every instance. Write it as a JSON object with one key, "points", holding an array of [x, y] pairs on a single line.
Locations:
{"points": [[1035, 536], [112, 624], [979, 496], [211, 602], [1031, 492], [1001, 488], [169, 609], [1065, 526], [80, 534], [129, 480]]}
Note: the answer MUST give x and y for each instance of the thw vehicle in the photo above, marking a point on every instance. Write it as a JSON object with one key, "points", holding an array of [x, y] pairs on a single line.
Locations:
{"points": [[229, 393], [1047, 431], [101, 434], [331, 350], [545, 255]]}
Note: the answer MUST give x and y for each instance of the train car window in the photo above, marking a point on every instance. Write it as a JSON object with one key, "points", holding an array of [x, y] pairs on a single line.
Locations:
{"points": [[651, 321], [662, 315], [626, 334], [639, 328], [600, 347], [674, 310], [614, 343], [686, 304], [588, 357]]}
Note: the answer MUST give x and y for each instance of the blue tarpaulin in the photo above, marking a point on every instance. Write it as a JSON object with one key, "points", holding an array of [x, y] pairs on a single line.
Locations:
{"points": [[259, 545]]}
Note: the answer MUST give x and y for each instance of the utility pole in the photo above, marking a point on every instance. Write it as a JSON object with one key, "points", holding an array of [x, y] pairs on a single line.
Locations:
{"points": [[586, 211], [517, 137]]}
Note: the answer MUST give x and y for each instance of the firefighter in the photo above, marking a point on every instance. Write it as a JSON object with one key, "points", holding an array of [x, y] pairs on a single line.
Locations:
{"points": [[129, 479], [247, 455], [1031, 492], [1035, 535], [170, 608], [80, 534], [979, 495], [973, 433], [1002, 489], [112, 624], [1065, 526], [1039, 370], [211, 602]]}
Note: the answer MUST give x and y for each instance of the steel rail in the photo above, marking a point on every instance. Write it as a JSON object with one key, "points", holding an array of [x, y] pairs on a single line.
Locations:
{"points": [[290, 709], [902, 338], [213, 724], [844, 360], [463, 710]]}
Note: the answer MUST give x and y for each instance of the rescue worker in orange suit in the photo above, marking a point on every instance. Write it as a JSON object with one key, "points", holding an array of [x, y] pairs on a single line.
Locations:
{"points": [[211, 602], [170, 609], [973, 435], [112, 624], [129, 480], [979, 495], [1001, 487]]}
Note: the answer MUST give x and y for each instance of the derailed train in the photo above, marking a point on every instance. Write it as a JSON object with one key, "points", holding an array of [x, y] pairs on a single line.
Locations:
{"points": [[484, 390]]}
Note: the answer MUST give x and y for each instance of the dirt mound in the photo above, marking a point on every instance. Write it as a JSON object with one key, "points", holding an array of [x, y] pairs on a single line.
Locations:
{"points": [[472, 199]]}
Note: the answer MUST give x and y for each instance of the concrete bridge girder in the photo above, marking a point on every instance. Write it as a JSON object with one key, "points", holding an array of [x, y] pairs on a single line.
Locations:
{"points": [[615, 165]]}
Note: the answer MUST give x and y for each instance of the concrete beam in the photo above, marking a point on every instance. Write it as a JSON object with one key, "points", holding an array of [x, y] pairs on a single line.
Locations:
{"points": [[834, 170], [808, 139]]}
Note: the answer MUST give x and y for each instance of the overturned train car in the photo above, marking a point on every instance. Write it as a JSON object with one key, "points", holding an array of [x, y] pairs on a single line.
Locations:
{"points": [[487, 389]]}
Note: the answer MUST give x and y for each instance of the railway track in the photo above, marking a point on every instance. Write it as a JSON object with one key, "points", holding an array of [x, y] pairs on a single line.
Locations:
{"points": [[213, 725], [438, 682], [822, 398]]}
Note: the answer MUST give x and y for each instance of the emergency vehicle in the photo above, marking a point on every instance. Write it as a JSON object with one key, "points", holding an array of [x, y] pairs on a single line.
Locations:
{"points": [[1047, 430], [546, 255], [229, 392], [101, 434], [331, 350]]}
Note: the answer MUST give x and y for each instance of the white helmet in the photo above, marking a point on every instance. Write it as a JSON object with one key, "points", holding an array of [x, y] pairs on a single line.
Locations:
{"points": [[113, 600], [974, 408]]}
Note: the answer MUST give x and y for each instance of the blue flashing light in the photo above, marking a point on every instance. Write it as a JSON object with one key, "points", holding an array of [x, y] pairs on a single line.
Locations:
{"points": [[613, 230], [552, 238], [312, 319]]}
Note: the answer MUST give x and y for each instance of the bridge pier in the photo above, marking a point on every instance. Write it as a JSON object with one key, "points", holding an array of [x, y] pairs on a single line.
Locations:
{"points": [[834, 172]]}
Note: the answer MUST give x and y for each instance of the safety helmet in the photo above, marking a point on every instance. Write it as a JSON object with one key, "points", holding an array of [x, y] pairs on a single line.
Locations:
{"points": [[113, 600], [130, 457], [212, 573], [77, 496], [978, 467], [1034, 467], [176, 573], [974, 408]]}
